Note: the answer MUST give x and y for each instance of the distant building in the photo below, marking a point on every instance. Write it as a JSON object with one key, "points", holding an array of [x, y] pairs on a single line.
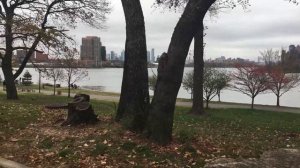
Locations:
{"points": [[291, 59], [229, 62], [152, 55], [90, 52], [103, 53], [148, 56], [122, 55], [41, 57], [220, 59], [21, 55], [113, 55]]}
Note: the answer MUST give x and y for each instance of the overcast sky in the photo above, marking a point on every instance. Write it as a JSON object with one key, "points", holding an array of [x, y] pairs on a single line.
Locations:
{"points": [[234, 33]]}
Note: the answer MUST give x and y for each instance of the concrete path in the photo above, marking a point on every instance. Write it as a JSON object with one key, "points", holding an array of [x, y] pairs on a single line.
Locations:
{"points": [[189, 104], [211, 105]]}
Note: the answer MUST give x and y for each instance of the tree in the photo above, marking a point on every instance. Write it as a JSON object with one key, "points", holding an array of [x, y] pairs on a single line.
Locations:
{"points": [[270, 57], [170, 71], [250, 80], [27, 77], [134, 99], [214, 81], [209, 84], [280, 82], [54, 72], [72, 69], [187, 83], [216, 7], [198, 76], [171, 65], [34, 24], [222, 82]]}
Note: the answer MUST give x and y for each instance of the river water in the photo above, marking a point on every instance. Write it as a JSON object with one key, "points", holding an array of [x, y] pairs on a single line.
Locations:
{"points": [[110, 79]]}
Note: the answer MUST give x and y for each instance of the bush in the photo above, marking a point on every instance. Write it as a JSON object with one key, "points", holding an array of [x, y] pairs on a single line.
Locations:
{"points": [[27, 77]]}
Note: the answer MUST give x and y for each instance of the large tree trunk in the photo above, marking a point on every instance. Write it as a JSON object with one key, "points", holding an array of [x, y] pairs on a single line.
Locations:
{"points": [[252, 103], [278, 99], [207, 102], [134, 99], [11, 90], [170, 71], [198, 73]]}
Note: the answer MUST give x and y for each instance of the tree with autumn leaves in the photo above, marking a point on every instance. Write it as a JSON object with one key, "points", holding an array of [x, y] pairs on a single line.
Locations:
{"points": [[280, 82], [251, 80]]}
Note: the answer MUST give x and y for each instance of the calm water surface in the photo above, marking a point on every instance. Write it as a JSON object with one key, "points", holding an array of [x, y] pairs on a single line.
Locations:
{"points": [[111, 79]]}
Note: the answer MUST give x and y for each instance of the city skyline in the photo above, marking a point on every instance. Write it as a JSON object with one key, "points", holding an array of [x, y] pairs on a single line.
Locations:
{"points": [[234, 33]]}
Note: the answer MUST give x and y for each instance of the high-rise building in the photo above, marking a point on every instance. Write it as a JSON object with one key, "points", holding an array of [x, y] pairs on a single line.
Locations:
{"points": [[112, 55], [91, 51], [108, 56], [148, 56], [103, 53], [123, 55], [152, 55]]}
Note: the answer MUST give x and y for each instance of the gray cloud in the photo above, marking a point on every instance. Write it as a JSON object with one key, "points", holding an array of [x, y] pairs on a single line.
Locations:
{"points": [[267, 24]]}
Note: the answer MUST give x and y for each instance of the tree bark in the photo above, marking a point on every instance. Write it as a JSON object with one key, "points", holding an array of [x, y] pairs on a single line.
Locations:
{"points": [[134, 99], [54, 88], [252, 103], [11, 90], [80, 111], [69, 88], [160, 121], [207, 102], [198, 73], [278, 99]]}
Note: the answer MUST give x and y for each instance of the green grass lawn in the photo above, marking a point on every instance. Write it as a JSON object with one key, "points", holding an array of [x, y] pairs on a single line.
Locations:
{"points": [[30, 134]]}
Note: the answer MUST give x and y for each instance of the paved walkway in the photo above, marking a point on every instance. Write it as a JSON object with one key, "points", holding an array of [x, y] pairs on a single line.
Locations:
{"points": [[189, 104], [215, 105]]}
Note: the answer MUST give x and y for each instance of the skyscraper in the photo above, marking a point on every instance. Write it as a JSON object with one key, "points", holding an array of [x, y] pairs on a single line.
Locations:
{"points": [[103, 53], [123, 55], [148, 56], [91, 51], [112, 55], [152, 55]]}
